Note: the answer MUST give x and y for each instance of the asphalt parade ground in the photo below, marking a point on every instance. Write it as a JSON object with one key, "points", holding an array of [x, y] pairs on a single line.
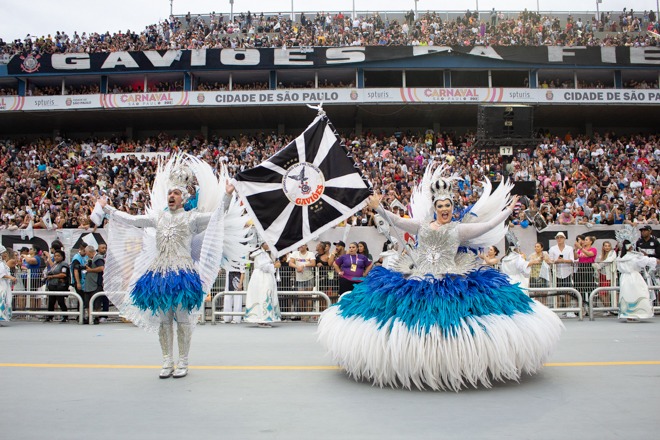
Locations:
{"points": [[66, 381]]}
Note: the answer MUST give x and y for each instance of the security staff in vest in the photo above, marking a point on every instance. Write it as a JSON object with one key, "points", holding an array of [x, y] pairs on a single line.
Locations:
{"points": [[648, 244], [93, 277]]}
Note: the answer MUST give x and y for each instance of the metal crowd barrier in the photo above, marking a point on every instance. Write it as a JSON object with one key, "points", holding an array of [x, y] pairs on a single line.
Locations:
{"points": [[27, 311], [612, 308], [554, 291], [94, 313], [314, 295]]}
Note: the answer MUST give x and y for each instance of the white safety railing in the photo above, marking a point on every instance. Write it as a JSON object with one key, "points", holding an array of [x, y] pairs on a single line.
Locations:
{"points": [[544, 292], [613, 308], [31, 311], [313, 295], [94, 313]]}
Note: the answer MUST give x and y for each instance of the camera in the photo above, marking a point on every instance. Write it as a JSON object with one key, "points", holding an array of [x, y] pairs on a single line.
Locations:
{"points": [[561, 255]]}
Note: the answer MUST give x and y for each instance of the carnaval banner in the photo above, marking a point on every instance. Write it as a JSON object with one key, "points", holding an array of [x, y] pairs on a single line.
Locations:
{"points": [[155, 99], [304, 189]]}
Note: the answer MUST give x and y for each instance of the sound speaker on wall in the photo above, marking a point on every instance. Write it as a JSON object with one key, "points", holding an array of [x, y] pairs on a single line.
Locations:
{"points": [[501, 122]]}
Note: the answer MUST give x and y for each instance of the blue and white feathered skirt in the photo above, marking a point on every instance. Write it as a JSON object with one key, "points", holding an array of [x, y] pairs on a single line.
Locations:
{"points": [[169, 290], [443, 334]]}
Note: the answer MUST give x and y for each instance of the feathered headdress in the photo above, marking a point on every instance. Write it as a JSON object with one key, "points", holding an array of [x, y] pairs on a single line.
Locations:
{"points": [[627, 232], [434, 186], [442, 189], [181, 177]]}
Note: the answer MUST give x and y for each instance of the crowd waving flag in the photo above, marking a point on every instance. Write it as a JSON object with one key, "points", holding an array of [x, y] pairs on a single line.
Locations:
{"points": [[304, 189]]}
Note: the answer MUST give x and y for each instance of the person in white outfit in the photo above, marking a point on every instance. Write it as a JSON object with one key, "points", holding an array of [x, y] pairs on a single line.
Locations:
{"points": [[233, 303], [516, 266], [261, 304], [561, 256], [634, 296]]}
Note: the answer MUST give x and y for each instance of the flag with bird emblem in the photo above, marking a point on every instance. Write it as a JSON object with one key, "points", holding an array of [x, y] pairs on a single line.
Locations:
{"points": [[306, 188]]}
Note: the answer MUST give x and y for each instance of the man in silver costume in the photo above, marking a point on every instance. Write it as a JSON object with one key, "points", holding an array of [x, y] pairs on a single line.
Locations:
{"points": [[170, 289]]}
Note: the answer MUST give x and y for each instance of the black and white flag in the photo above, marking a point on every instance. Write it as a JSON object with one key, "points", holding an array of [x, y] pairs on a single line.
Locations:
{"points": [[304, 189]]}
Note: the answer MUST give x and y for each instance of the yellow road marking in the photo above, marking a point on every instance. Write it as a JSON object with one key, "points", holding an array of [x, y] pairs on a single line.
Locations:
{"points": [[287, 367], [600, 364]]}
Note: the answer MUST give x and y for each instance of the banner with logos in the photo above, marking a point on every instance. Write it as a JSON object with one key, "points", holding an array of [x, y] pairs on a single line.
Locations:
{"points": [[11, 103], [427, 95], [55, 102], [62, 102], [154, 99], [500, 95], [323, 57], [277, 97]]}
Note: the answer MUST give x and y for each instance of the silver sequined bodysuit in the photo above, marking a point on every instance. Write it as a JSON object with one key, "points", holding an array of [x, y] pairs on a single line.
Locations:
{"points": [[437, 252], [174, 234]]}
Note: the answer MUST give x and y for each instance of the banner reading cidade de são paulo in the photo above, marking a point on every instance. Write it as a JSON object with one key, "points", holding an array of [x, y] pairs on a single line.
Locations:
{"points": [[277, 97]]}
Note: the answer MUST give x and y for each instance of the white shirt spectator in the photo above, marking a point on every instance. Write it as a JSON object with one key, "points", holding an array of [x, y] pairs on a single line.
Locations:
{"points": [[563, 270]]}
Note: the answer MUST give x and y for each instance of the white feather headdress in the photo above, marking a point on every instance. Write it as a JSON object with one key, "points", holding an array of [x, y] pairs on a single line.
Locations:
{"points": [[434, 186], [627, 232]]}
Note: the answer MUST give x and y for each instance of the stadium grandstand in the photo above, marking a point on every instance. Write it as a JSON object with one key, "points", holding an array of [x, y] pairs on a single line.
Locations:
{"points": [[566, 103]]}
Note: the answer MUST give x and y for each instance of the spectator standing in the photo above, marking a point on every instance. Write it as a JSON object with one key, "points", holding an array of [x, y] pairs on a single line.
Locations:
{"points": [[363, 249], [33, 263], [539, 276], [78, 264], [561, 256], [304, 262], [105, 303], [647, 243], [586, 254], [93, 277], [351, 267], [57, 280], [605, 272], [490, 256], [340, 249], [326, 274], [233, 303], [493, 17]]}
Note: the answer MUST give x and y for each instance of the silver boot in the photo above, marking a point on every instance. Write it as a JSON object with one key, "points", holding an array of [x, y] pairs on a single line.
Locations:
{"points": [[184, 334], [166, 337]]}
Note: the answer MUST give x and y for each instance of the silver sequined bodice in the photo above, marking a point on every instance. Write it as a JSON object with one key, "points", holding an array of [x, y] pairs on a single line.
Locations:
{"points": [[174, 240], [437, 253]]}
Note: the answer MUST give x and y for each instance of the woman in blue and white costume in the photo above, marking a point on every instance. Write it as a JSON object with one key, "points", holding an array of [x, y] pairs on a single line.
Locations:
{"points": [[440, 320], [635, 298], [6, 278], [169, 258]]}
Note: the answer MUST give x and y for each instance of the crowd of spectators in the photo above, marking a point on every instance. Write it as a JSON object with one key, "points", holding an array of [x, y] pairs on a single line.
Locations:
{"points": [[249, 30], [599, 179]]}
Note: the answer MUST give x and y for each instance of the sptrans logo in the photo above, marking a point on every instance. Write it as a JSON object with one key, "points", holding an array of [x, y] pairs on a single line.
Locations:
{"points": [[303, 184]]}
